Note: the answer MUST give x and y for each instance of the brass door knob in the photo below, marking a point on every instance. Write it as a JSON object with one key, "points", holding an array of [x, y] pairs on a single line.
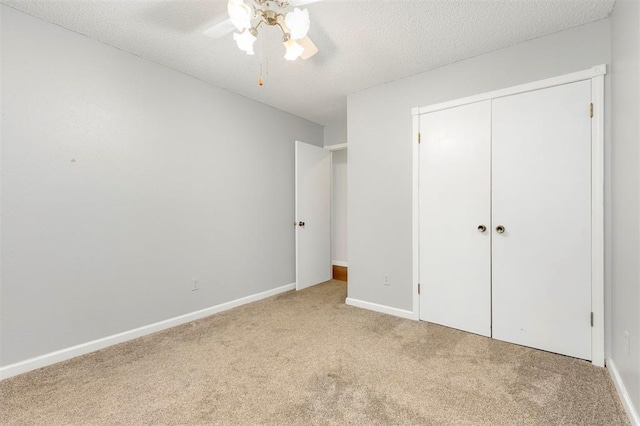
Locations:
{"points": [[482, 228], [500, 229]]}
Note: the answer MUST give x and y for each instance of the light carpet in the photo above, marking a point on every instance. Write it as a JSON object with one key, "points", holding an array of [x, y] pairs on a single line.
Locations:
{"points": [[306, 358]]}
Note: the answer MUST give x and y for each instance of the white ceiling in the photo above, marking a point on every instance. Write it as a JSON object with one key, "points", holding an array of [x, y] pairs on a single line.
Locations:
{"points": [[362, 43]]}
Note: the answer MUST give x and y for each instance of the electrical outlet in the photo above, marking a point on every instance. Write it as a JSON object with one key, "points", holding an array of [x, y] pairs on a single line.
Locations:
{"points": [[194, 284], [387, 280], [627, 343]]}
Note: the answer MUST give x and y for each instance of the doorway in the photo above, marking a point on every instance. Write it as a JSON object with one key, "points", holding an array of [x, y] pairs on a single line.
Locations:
{"points": [[339, 185], [320, 213]]}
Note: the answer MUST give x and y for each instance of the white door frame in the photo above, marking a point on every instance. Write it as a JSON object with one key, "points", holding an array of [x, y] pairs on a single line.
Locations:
{"points": [[336, 147], [596, 75]]}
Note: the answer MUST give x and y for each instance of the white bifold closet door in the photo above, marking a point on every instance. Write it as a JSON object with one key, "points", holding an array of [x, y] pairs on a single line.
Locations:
{"points": [[541, 181], [455, 200]]}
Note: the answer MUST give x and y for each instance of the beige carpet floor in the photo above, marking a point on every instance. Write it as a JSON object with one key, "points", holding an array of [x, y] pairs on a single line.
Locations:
{"points": [[306, 358]]}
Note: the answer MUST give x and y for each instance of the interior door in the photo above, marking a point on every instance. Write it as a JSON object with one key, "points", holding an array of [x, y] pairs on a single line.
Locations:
{"points": [[542, 200], [455, 203], [313, 215]]}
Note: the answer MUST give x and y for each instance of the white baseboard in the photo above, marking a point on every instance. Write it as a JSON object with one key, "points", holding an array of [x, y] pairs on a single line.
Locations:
{"points": [[340, 263], [94, 345], [381, 308], [632, 413]]}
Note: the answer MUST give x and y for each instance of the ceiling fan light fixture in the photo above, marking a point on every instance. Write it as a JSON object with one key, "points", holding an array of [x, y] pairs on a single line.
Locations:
{"points": [[239, 14], [298, 23], [245, 40], [248, 16], [293, 49]]}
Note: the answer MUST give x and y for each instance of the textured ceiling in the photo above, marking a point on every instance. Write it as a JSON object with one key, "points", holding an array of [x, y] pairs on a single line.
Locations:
{"points": [[362, 43]]}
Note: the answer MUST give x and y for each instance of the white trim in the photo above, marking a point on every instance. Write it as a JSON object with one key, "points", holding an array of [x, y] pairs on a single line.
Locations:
{"points": [[627, 403], [340, 263], [593, 72], [336, 147], [295, 211], [597, 221], [379, 308], [415, 217], [94, 345], [596, 75]]}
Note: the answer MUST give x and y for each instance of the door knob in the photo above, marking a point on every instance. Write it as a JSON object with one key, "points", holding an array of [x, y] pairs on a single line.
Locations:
{"points": [[500, 229], [301, 223], [482, 228]]}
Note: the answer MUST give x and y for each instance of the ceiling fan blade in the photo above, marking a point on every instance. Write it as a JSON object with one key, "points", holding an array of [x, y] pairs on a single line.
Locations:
{"points": [[310, 48], [219, 30], [302, 2]]}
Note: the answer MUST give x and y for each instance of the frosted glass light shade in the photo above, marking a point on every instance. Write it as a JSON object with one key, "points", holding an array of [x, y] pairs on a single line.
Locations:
{"points": [[298, 23], [240, 14], [245, 41], [294, 50]]}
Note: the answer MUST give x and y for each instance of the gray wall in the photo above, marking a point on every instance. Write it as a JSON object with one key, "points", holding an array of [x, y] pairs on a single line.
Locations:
{"points": [[380, 135], [121, 181], [335, 133], [625, 194]]}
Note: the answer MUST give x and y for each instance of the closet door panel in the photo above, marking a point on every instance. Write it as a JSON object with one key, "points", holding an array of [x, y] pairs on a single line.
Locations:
{"points": [[455, 199], [541, 180]]}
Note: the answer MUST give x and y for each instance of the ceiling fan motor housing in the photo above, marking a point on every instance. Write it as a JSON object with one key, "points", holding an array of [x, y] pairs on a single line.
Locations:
{"points": [[270, 17]]}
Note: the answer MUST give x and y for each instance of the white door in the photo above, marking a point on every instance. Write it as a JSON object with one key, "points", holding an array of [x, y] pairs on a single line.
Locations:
{"points": [[541, 155], [455, 203], [313, 215]]}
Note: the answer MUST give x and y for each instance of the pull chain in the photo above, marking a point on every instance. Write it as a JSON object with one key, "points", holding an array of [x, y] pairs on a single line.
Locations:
{"points": [[262, 61], [266, 52]]}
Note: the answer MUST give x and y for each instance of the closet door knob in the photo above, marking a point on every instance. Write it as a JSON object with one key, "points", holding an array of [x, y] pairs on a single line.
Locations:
{"points": [[500, 229], [301, 223], [482, 228]]}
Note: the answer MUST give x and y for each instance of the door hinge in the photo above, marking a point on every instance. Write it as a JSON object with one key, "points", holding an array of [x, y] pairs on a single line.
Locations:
{"points": [[591, 110], [591, 319], [418, 288], [418, 137]]}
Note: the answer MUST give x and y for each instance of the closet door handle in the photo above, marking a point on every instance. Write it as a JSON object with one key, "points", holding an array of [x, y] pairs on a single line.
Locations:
{"points": [[500, 229], [482, 228]]}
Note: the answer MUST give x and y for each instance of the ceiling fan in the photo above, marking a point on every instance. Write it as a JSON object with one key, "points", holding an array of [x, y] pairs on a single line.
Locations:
{"points": [[248, 18]]}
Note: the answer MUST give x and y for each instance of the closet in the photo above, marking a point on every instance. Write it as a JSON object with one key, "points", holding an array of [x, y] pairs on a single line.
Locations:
{"points": [[505, 217]]}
